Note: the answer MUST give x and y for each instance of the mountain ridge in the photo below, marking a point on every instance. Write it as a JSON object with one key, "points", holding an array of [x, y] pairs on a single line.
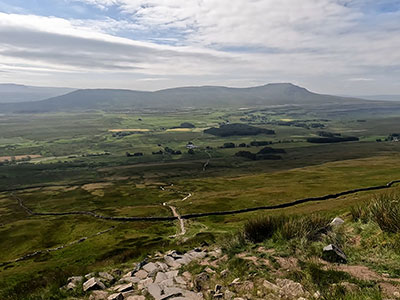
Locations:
{"points": [[180, 97]]}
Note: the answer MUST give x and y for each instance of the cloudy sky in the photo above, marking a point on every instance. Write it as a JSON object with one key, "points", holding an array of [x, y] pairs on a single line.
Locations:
{"points": [[331, 46]]}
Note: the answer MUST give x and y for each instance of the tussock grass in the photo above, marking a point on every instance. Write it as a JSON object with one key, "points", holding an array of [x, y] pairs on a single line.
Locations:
{"points": [[383, 210], [286, 227], [263, 228]]}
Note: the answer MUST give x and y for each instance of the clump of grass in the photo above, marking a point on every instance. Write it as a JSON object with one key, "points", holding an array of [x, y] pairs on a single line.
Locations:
{"points": [[263, 228], [360, 213], [385, 211], [286, 227], [309, 227], [233, 243]]}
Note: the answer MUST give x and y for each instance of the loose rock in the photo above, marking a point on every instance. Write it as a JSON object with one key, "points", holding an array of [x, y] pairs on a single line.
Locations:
{"points": [[333, 253], [117, 296], [93, 284]]}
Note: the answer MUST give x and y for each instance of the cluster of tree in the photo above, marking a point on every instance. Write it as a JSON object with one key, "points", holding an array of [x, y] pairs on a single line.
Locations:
{"points": [[335, 139], [121, 134], [172, 152], [237, 129], [266, 153], [317, 125], [185, 125], [244, 145], [328, 134], [168, 151], [269, 150], [259, 143], [228, 145], [393, 137], [134, 154]]}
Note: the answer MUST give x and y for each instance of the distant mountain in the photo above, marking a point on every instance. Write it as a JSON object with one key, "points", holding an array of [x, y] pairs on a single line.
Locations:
{"points": [[12, 93], [178, 98], [382, 97]]}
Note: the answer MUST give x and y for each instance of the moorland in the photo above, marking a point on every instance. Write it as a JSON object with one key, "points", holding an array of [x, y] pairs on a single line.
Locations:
{"points": [[169, 161]]}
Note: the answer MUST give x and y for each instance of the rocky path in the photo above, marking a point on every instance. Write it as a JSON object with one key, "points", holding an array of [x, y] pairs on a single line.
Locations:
{"points": [[177, 215], [161, 278], [181, 223]]}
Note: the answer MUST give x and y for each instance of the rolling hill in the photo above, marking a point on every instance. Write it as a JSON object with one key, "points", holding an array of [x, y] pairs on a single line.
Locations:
{"points": [[178, 98]]}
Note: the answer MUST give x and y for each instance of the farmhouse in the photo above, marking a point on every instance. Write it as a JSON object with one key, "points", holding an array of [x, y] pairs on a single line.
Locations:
{"points": [[190, 145]]}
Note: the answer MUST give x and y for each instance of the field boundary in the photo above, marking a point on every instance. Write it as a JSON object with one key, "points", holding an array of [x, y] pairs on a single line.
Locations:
{"points": [[206, 214]]}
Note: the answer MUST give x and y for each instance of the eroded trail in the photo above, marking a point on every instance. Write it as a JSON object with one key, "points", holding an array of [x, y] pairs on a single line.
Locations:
{"points": [[176, 214], [181, 223], [207, 162]]}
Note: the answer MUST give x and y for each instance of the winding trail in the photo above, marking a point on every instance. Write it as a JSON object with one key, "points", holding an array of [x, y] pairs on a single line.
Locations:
{"points": [[217, 213], [207, 162], [177, 215]]}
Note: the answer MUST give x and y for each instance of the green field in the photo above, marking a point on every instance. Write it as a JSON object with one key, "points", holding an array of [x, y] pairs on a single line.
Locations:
{"points": [[73, 173]]}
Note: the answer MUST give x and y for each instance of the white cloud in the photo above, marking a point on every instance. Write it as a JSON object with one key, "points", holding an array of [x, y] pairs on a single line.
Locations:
{"points": [[308, 41], [361, 79]]}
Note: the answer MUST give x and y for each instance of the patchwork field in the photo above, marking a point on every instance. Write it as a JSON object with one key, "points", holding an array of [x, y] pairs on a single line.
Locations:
{"points": [[79, 164]]}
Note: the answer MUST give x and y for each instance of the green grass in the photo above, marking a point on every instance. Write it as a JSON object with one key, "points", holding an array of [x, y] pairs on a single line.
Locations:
{"points": [[132, 187]]}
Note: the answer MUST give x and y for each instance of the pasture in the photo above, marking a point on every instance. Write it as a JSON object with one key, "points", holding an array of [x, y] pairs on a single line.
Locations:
{"points": [[78, 165]]}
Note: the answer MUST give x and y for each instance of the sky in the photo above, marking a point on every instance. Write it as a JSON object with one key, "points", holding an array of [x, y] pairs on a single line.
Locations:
{"points": [[348, 47]]}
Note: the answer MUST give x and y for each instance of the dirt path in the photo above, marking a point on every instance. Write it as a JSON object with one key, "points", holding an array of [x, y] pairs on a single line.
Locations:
{"points": [[177, 215], [207, 162], [181, 223]]}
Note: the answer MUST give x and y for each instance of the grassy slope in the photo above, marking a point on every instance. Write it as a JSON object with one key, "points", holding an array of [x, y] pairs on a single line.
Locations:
{"points": [[228, 183]]}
